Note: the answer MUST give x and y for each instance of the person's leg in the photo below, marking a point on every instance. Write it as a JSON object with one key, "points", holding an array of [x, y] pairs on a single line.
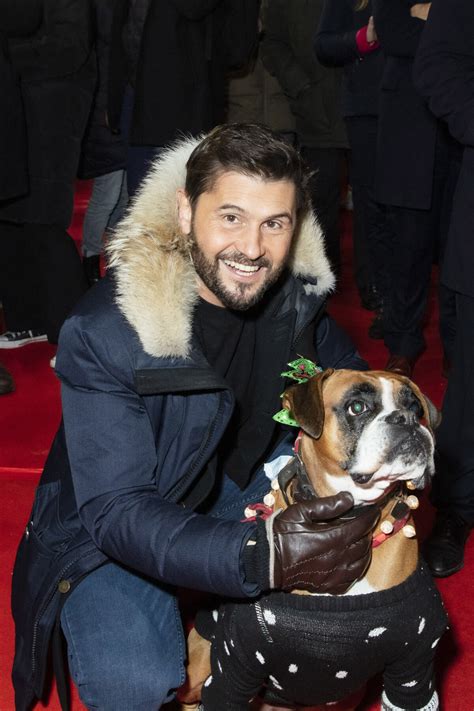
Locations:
{"points": [[453, 485], [409, 273], [362, 134], [121, 206], [61, 276], [325, 189], [125, 641], [20, 279], [105, 197]]}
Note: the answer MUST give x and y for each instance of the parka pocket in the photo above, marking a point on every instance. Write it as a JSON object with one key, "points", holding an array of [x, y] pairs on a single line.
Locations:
{"points": [[45, 524]]}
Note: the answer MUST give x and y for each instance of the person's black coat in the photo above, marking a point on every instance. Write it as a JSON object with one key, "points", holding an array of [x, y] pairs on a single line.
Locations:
{"points": [[444, 74], [407, 129], [56, 68], [185, 50], [335, 45], [13, 174], [103, 150]]}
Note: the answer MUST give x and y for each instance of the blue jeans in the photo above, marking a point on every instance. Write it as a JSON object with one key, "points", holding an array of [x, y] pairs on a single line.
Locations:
{"points": [[125, 639], [106, 206]]}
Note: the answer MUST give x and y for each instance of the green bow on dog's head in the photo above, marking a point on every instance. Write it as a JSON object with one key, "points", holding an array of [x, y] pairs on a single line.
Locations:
{"points": [[301, 370]]}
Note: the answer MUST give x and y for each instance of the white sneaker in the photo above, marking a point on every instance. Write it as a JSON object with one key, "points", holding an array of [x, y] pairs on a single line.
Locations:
{"points": [[16, 339], [52, 362]]}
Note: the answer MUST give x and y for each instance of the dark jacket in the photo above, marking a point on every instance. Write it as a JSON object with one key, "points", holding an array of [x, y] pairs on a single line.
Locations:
{"points": [[444, 74], [336, 46], [143, 413], [186, 48], [407, 129], [314, 91], [56, 67], [103, 151], [13, 173]]}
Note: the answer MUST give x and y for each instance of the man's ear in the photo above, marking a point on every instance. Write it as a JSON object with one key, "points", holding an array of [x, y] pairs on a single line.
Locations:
{"points": [[306, 404], [185, 211]]}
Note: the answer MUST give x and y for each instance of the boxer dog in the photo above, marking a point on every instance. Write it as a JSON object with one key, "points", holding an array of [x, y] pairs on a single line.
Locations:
{"points": [[369, 433]]}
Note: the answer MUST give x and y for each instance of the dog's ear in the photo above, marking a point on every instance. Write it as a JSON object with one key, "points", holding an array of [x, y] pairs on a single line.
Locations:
{"points": [[306, 404], [431, 413]]}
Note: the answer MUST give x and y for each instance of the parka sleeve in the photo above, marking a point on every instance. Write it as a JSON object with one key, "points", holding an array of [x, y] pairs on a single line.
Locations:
{"points": [[113, 458]]}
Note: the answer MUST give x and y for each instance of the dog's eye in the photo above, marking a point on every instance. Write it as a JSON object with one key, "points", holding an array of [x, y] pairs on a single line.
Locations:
{"points": [[357, 407], [416, 408]]}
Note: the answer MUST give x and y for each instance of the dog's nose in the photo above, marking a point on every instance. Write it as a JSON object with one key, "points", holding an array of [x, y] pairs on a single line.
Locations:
{"points": [[401, 417]]}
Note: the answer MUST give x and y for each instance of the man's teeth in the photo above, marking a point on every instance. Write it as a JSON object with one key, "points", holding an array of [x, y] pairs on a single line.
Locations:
{"points": [[241, 267]]}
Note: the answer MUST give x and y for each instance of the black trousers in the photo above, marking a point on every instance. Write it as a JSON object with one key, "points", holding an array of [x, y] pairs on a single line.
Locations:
{"points": [[41, 277], [371, 228], [419, 237], [325, 189], [453, 485]]}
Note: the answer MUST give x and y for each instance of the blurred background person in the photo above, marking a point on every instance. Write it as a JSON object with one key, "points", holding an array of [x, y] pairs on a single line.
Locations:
{"points": [[314, 94], [40, 270], [41, 275], [255, 96], [417, 163], [170, 64], [444, 74], [346, 37]]}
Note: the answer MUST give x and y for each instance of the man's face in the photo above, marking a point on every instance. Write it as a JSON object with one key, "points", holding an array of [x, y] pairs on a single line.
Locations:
{"points": [[242, 230]]}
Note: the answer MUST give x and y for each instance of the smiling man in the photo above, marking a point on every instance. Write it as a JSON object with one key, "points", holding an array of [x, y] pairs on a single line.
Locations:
{"points": [[170, 370]]}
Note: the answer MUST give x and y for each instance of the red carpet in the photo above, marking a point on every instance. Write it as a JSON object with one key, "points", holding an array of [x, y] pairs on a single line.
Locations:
{"points": [[29, 418]]}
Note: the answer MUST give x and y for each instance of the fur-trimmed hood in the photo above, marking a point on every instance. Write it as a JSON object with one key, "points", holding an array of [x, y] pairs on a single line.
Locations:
{"points": [[156, 286]]}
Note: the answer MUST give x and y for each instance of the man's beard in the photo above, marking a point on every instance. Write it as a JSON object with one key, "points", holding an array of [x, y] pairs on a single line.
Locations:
{"points": [[241, 297]]}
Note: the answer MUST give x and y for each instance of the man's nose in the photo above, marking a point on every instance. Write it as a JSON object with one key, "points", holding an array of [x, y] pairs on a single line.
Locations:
{"points": [[251, 242]]}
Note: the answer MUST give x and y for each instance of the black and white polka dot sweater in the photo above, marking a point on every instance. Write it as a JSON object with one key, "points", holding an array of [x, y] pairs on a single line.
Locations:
{"points": [[306, 650]]}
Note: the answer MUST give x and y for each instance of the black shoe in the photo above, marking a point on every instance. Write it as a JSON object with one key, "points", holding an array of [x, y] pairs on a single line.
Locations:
{"points": [[91, 266], [444, 549], [6, 381], [370, 299], [376, 327]]}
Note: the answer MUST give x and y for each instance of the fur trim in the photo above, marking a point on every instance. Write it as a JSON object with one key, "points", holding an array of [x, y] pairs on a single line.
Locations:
{"points": [[156, 287]]}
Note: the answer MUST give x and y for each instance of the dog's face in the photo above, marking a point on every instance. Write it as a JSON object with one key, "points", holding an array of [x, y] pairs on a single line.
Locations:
{"points": [[367, 429]]}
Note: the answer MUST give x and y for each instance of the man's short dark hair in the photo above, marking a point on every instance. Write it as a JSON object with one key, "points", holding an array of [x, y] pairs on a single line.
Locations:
{"points": [[250, 149]]}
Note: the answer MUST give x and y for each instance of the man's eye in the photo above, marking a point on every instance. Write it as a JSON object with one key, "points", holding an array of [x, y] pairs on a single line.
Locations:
{"points": [[357, 407], [230, 218], [273, 225]]}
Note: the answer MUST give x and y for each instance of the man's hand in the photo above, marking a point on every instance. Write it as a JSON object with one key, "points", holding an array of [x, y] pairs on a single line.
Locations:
{"points": [[421, 10], [311, 549]]}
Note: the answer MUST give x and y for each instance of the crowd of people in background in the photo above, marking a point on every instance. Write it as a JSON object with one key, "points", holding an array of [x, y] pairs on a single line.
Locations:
{"points": [[374, 92]]}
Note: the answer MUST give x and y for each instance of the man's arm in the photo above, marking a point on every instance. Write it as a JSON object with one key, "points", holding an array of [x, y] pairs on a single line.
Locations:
{"points": [[112, 450], [444, 66]]}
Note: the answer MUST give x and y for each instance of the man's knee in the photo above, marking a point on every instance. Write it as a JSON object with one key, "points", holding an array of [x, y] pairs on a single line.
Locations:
{"points": [[129, 684]]}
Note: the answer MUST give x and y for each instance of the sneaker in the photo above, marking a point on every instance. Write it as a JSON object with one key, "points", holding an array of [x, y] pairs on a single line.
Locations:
{"points": [[16, 339]]}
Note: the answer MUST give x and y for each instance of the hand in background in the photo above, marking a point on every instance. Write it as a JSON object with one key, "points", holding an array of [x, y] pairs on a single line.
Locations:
{"points": [[371, 33], [421, 10]]}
